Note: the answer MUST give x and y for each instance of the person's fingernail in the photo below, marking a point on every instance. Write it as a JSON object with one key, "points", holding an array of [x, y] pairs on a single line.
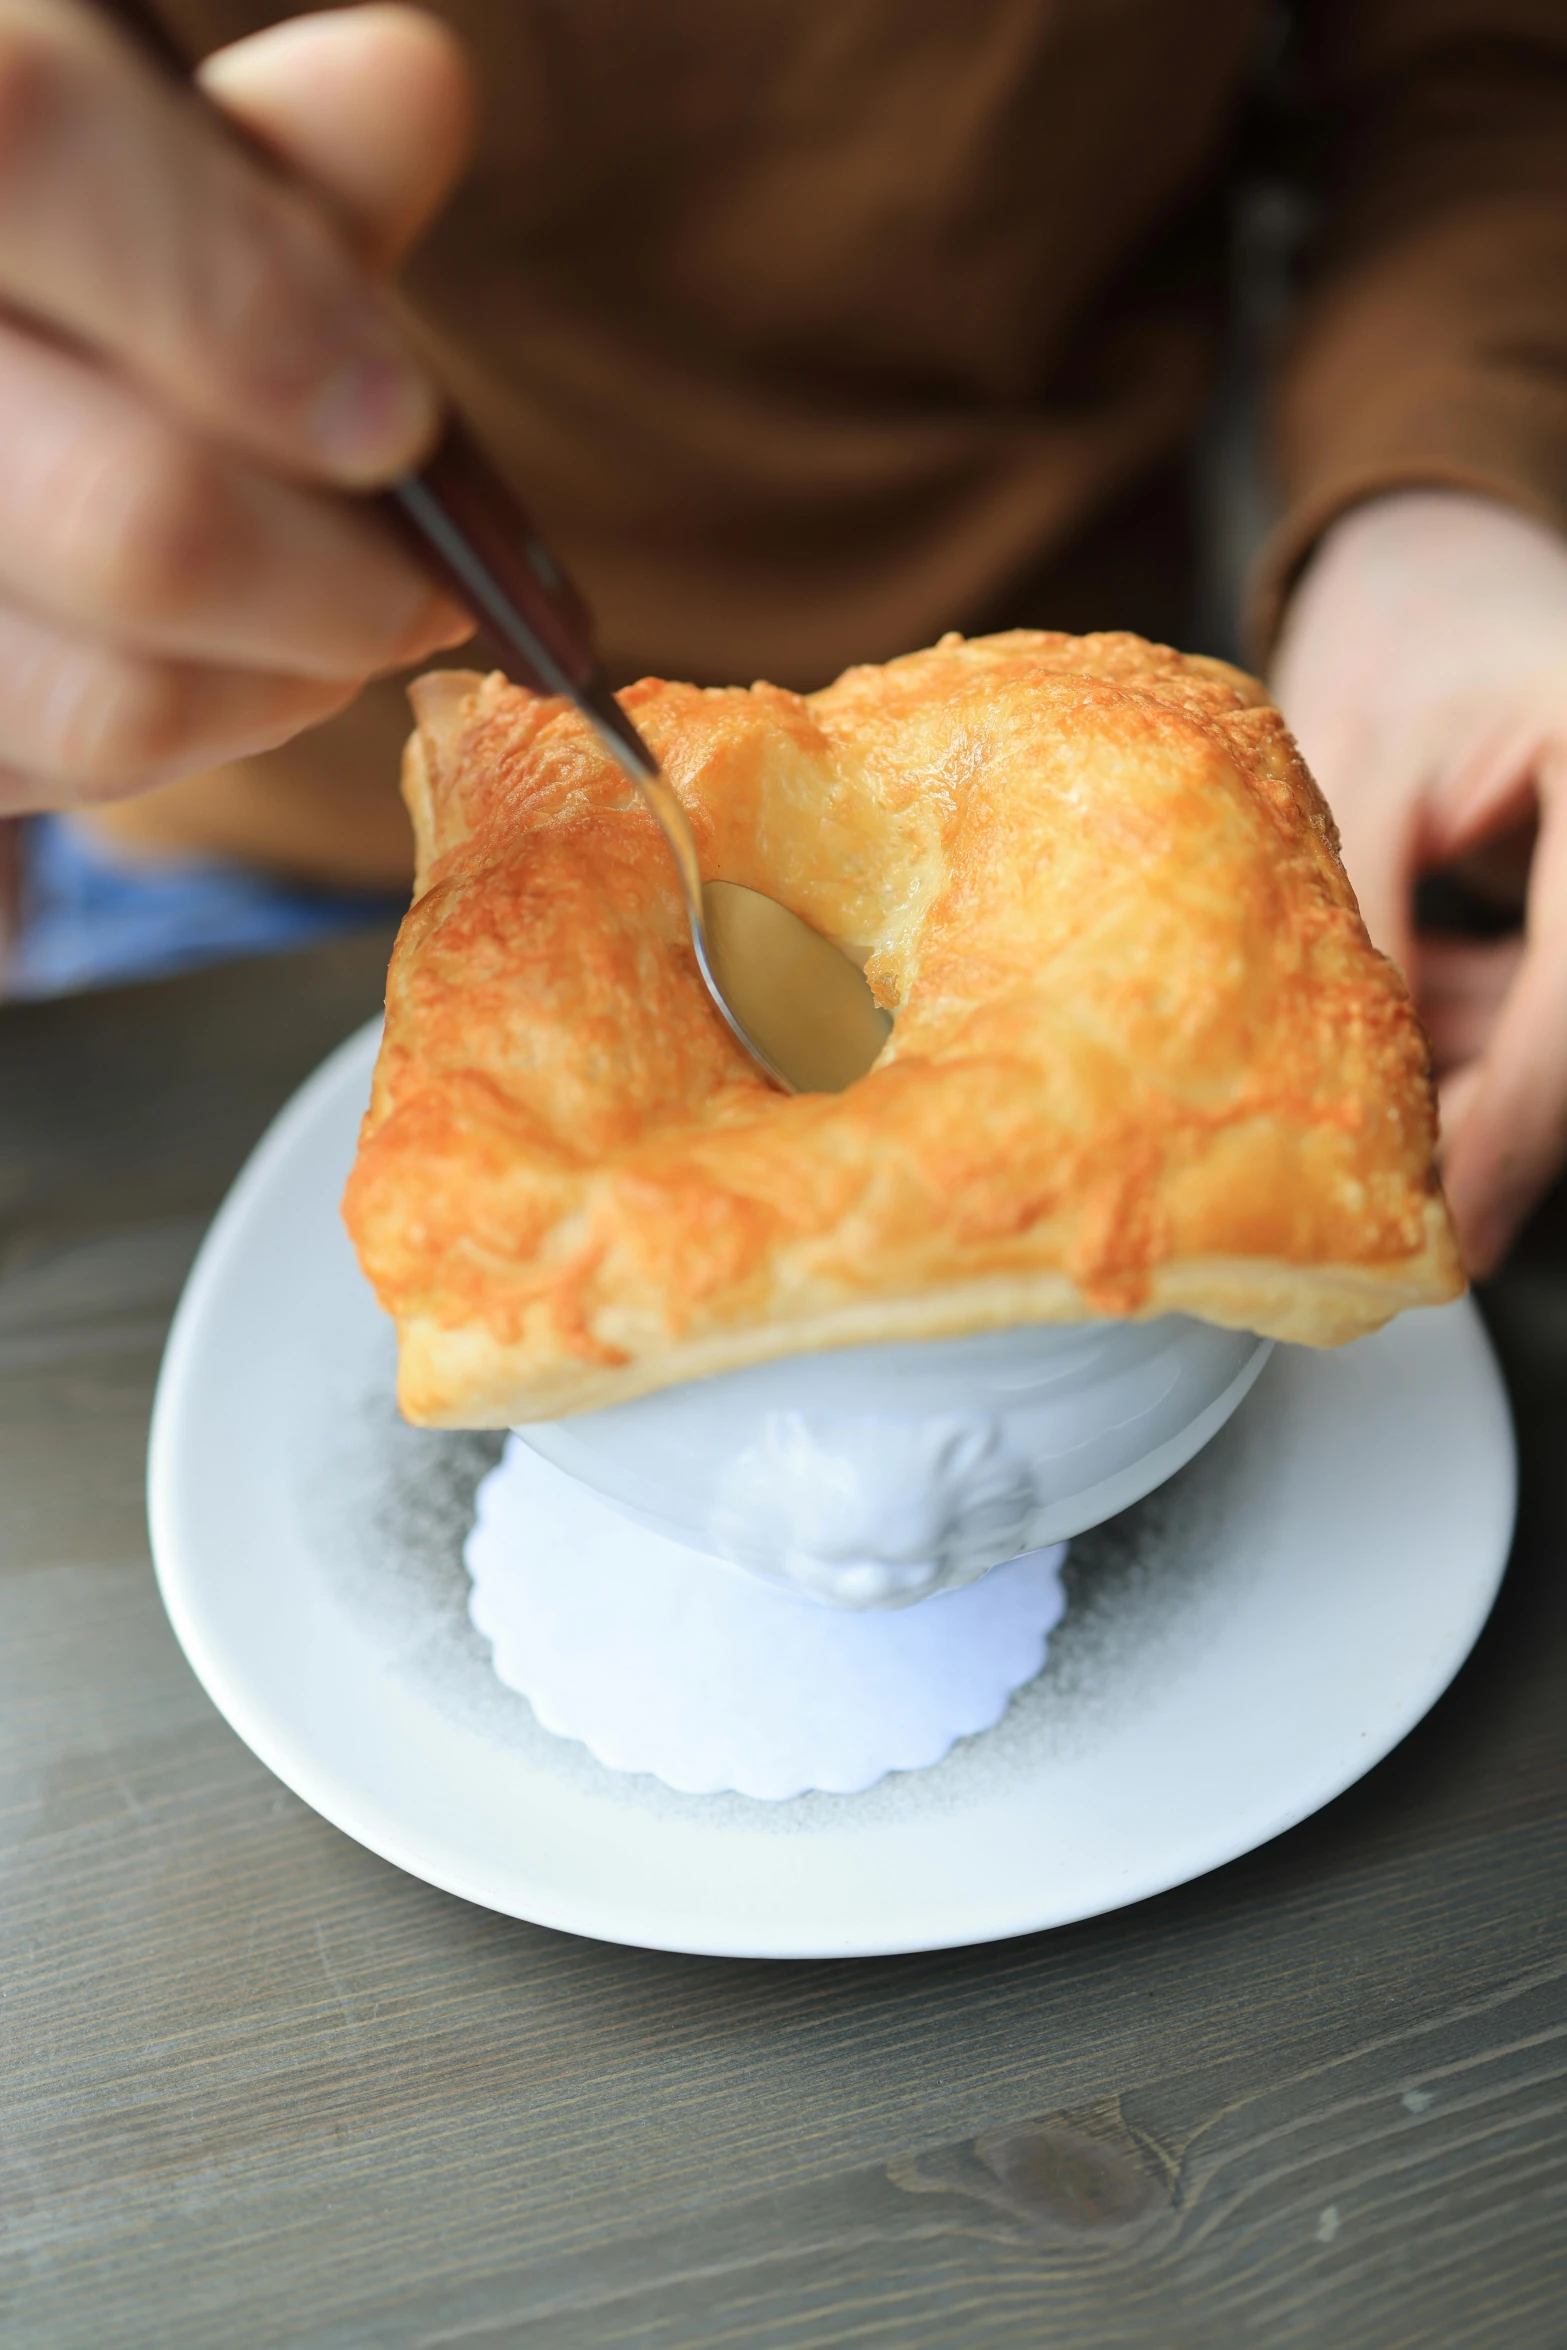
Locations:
{"points": [[441, 624], [372, 418]]}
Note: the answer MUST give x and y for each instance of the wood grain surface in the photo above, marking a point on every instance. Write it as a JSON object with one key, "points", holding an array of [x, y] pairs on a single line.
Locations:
{"points": [[264, 2093]]}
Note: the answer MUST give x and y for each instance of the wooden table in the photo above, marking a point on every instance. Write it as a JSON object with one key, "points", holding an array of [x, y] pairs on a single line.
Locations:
{"points": [[261, 2090]]}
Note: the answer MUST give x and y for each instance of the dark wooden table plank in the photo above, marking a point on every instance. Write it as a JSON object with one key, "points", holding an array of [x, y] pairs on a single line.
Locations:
{"points": [[263, 2091]]}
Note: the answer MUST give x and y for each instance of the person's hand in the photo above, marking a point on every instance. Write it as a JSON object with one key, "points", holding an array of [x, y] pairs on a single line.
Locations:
{"points": [[1423, 669], [194, 363]]}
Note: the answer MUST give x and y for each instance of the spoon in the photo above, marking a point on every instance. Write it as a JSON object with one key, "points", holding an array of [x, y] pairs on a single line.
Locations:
{"points": [[801, 1009], [797, 1004]]}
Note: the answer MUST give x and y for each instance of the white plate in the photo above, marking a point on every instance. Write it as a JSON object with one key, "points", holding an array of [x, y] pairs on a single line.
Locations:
{"points": [[1238, 1649]]}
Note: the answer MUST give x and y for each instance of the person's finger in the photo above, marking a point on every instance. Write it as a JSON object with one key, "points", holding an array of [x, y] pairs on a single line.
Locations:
{"points": [[82, 721], [1377, 836], [1377, 817], [1455, 1099], [1489, 797], [1462, 986], [131, 223], [115, 523], [1512, 1137], [374, 106]]}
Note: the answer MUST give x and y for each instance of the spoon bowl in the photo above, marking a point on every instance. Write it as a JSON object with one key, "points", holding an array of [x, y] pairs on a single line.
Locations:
{"points": [[803, 1011], [795, 1001]]}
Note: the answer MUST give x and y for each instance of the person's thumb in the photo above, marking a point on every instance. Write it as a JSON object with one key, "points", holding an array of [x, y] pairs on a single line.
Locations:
{"points": [[373, 107]]}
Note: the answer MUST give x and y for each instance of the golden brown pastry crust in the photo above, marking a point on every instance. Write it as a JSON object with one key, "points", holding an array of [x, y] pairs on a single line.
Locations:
{"points": [[1144, 1059]]}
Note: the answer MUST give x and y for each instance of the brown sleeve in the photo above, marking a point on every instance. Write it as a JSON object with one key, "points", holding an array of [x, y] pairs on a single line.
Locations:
{"points": [[1431, 345]]}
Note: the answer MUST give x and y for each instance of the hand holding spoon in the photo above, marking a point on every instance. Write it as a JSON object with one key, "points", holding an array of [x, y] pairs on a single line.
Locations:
{"points": [[800, 1008]]}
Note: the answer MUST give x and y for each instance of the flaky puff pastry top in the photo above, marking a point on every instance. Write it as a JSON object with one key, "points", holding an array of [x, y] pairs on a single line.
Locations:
{"points": [[1144, 1057]]}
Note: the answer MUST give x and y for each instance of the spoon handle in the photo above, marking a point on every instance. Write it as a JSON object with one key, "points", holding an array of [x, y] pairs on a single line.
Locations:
{"points": [[467, 527]]}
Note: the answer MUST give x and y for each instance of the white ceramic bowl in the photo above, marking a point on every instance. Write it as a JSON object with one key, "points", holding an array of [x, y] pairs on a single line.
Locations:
{"points": [[874, 1476]]}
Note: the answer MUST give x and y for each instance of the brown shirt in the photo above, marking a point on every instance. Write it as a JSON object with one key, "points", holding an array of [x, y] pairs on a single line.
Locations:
{"points": [[811, 328]]}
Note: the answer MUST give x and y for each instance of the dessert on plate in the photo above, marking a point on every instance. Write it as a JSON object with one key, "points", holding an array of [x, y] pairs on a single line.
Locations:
{"points": [[1144, 1059]]}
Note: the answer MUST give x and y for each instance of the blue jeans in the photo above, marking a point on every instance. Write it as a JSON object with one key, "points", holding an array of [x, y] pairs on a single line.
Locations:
{"points": [[89, 918]]}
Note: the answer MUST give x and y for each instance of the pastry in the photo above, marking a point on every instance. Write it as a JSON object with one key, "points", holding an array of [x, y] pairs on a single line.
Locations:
{"points": [[1144, 1057]]}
